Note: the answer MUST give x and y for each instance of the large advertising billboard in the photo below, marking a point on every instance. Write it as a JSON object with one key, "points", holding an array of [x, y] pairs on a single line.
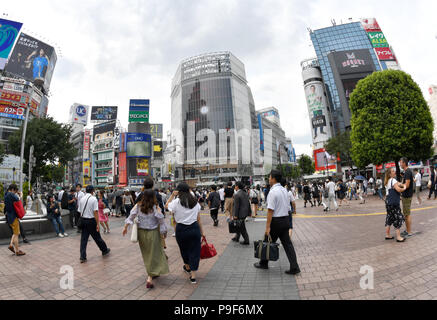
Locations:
{"points": [[139, 110], [378, 39], [86, 144], [139, 145], [370, 24], [318, 112], [353, 61], [9, 31], [157, 149], [122, 168], [323, 160], [11, 112], [156, 131], [103, 136], [384, 54], [103, 113], [32, 60], [142, 167], [79, 114]]}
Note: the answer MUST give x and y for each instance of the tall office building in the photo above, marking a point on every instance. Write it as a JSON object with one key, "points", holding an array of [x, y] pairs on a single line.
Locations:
{"points": [[211, 91], [347, 53]]}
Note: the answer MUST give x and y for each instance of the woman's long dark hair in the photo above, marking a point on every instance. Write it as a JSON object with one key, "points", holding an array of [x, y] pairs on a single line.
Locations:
{"points": [[187, 200], [148, 201]]}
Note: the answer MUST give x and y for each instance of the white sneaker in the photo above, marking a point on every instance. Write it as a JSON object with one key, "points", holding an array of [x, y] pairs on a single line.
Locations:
{"points": [[65, 234], [174, 235], [60, 236]]}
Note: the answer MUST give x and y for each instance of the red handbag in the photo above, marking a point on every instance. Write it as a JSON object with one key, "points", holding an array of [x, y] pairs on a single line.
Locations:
{"points": [[207, 250], [19, 209]]}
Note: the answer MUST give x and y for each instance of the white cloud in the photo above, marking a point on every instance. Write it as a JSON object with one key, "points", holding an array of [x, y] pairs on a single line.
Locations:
{"points": [[116, 50]]}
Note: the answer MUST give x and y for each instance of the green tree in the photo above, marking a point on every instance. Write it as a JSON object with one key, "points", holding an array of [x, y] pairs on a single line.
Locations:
{"points": [[306, 165], [290, 171], [52, 173], [2, 153], [51, 141], [390, 120], [341, 144]]}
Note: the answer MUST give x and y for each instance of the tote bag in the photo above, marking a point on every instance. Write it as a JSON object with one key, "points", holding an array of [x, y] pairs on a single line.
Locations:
{"points": [[134, 233]]}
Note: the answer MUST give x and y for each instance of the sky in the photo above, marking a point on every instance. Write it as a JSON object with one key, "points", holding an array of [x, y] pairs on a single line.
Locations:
{"points": [[113, 51]]}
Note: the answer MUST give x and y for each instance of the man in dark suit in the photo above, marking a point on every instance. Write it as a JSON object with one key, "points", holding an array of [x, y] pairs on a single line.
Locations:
{"points": [[241, 212]]}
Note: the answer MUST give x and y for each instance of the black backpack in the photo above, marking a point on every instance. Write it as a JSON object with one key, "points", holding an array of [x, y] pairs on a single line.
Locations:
{"points": [[64, 200]]}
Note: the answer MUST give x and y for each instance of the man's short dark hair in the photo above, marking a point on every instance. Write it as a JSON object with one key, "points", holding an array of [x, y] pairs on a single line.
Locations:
{"points": [[89, 189], [214, 188], [283, 182], [416, 170], [79, 185], [148, 182], [229, 184], [404, 160], [13, 187], [276, 174], [240, 185], [330, 178]]}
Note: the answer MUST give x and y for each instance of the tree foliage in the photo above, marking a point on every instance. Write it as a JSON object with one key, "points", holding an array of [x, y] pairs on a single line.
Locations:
{"points": [[390, 119], [51, 141], [2, 153], [341, 144], [290, 171], [306, 165], [52, 173]]}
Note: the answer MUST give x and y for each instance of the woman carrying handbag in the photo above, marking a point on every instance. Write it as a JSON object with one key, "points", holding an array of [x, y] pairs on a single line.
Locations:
{"points": [[392, 203], [150, 226], [185, 209]]}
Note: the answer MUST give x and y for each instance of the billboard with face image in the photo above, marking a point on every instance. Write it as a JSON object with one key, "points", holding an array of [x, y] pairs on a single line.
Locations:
{"points": [[32, 60]]}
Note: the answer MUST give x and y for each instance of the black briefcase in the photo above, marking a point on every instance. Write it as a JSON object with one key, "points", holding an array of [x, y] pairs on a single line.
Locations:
{"points": [[234, 226], [266, 250]]}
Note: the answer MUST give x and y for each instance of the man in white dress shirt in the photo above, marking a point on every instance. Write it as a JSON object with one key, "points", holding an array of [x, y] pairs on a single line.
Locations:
{"points": [[89, 210], [278, 225]]}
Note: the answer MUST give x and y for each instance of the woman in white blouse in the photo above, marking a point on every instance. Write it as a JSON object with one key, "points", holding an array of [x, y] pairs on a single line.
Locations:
{"points": [[185, 210], [150, 225]]}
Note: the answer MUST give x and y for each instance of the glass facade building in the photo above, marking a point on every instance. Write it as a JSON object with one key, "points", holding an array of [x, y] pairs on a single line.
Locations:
{"points": [[210, 92], [350, 36]]}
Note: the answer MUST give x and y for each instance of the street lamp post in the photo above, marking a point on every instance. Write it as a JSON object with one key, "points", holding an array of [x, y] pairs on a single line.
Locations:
{"points": [[23, 138]]}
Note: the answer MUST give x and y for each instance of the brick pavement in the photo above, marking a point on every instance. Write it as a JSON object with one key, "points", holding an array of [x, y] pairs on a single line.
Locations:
{"points": [[234, 277], [330, 251]]}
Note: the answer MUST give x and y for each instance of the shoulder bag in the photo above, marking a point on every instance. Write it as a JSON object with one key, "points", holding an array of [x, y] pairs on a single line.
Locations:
{"points": [[393, 197], [80, 221], [19, 209]]}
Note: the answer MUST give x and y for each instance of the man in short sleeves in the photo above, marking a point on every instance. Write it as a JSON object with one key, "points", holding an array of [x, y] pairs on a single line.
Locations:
{"points": [[88, 209], [407, 196], [277, 226]]}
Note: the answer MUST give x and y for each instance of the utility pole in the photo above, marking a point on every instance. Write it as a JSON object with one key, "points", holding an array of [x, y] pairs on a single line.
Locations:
{"points": [[23, 137]]}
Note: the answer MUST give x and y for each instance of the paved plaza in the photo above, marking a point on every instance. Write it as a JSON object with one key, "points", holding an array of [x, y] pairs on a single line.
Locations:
{"points": [[331, 250]]}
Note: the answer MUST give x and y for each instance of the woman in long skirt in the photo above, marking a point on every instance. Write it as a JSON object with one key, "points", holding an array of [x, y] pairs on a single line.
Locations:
{"points": [[150, 227], [394, 217]]}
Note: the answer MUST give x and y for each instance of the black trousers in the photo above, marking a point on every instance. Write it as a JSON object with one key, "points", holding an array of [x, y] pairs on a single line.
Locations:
{"points": [[188, 239], [222, 205], [71, 217], [242, 231], [279, 229], [214, 214], [90, 228], [432, 190], [76, 217]]}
